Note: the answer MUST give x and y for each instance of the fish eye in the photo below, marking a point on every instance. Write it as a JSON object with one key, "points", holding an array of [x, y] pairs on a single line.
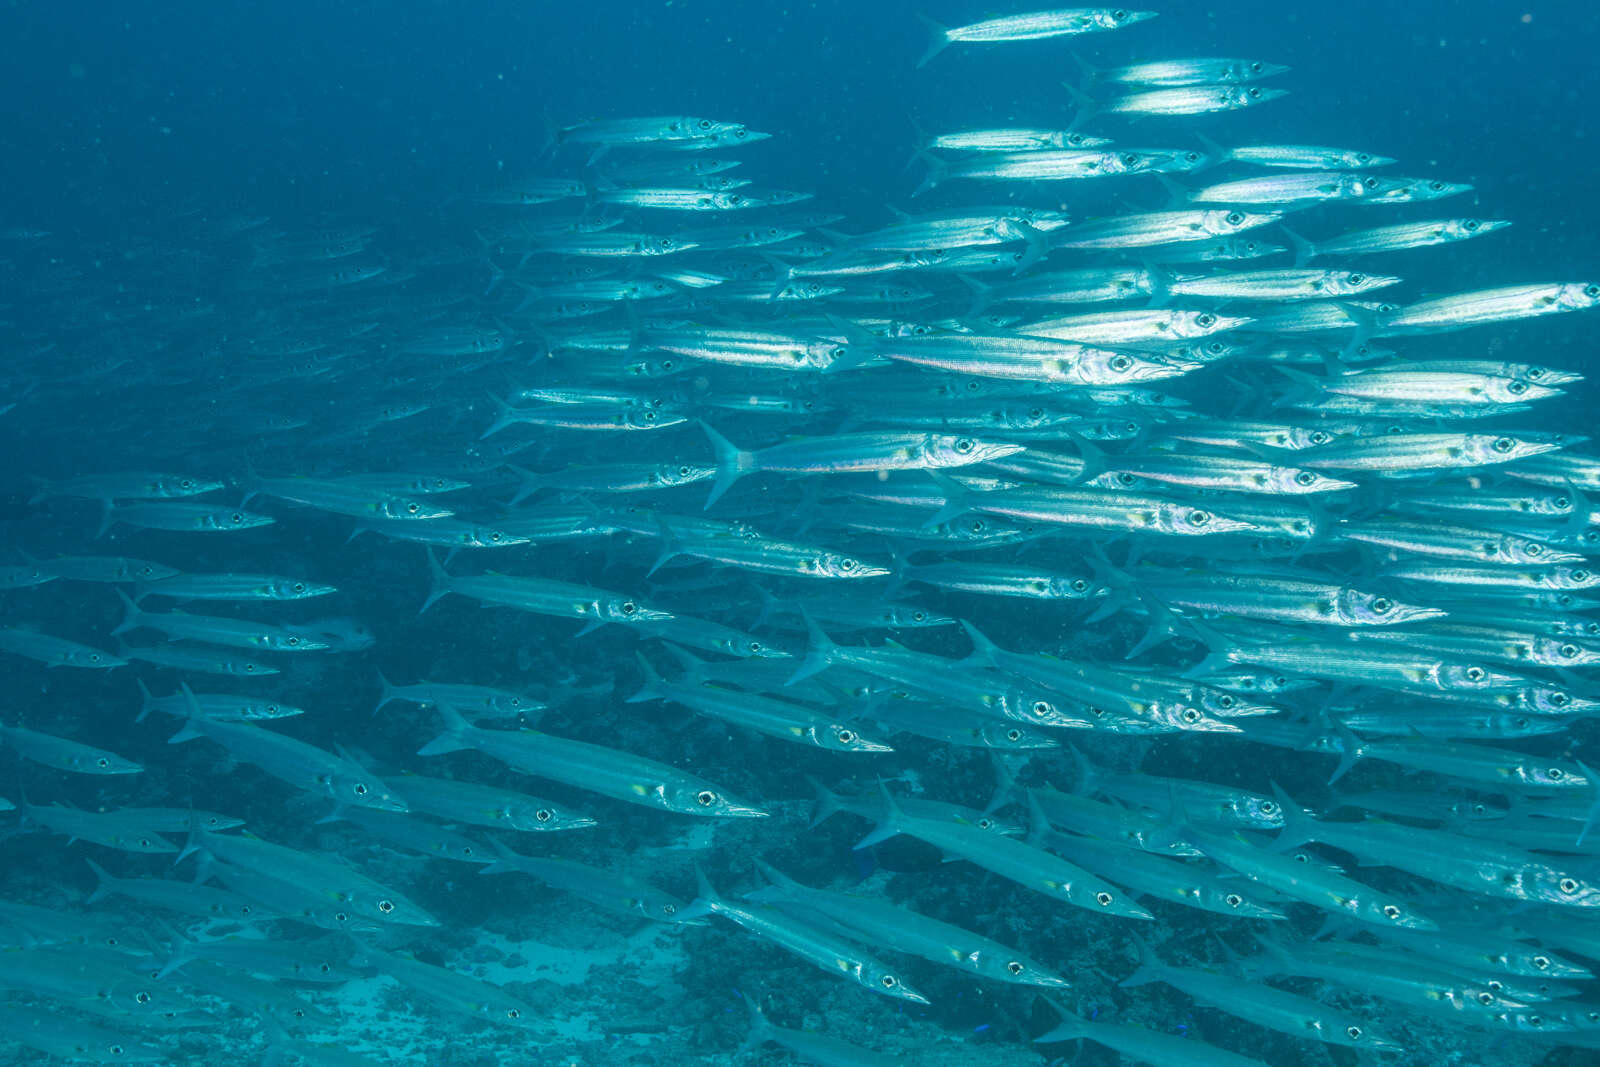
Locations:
{"points": [[1319, 437], [1352, 1032], [669, 909], [340, 917], [141, 997], [291, 640], [1014, 968], [1486, 998], [1014, 735], [847, 565], [1391, 912], [1358, 279], [1225, 700], [1304, 478], [1233, 900], [976, 526], [1080, 586], [889, 981], [1436, 186], [236, 518], [1216, 348], [1370, 183], [1130, 159], [1190, 715], [1503, 445], [1517, 388], [1541, 962], [543, 815], [298, 587], [1555, 774], [186, 483], [684, 472], [629, 607], [1470, 224], [1520, 722], [1255, 94], [386, 906], [1535, 549], [1234, 218], [1567, 651], [965, 445], [1255, 68], [705, 798], [1126, 480], [705, 124], [1103, 899], [102, 763], [1199, 518], [1561, 503], [1036, 413], [1041, 707], [413, 508], [513, 1013], [1475, 674], [845, 737], [1269, 807], [919, 616], [1580, 575], [494, 535], [1191, 157], [1382, 605], [1591, 290], [1207, 319], [1120, 362], [360, 789]]}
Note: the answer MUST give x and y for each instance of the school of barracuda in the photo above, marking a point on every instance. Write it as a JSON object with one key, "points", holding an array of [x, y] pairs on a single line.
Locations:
{"points": [[1156, 568]]}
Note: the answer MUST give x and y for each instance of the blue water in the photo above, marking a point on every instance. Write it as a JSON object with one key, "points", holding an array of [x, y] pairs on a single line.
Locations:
{"points": [[125, 123]]}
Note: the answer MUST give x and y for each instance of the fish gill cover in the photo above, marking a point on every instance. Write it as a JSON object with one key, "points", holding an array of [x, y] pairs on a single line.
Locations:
{"points": [[640, 600]]}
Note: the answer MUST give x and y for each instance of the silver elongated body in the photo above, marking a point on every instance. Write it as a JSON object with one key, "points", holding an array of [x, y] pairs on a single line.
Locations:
{"points": [[63, 753], [1307, 157], [302, 765], [596, 768], [1032, 26], [1398, 237], [904, 930], [1490, 305], [478, 804], [812, 942], [1276, 1009], [55, 651], [1208, 70], [1305, 882], [1141, 1044], [1191, 100], [1022, 863]]}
